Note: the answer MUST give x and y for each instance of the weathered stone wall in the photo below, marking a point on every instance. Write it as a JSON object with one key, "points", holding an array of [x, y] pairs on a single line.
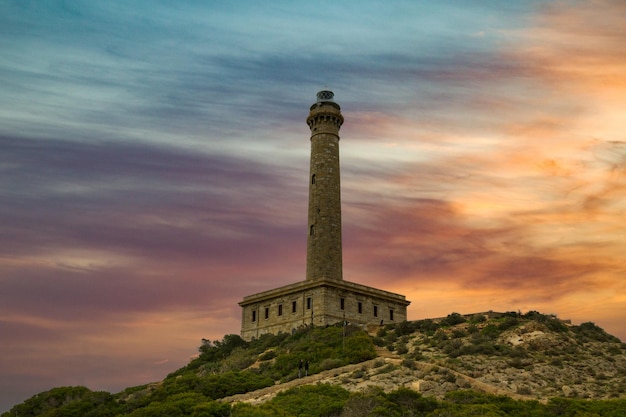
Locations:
{"points": [[319, 304]]}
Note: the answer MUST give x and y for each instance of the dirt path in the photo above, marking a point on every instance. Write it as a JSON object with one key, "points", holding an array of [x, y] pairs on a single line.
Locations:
{"points": [[265, 394]]}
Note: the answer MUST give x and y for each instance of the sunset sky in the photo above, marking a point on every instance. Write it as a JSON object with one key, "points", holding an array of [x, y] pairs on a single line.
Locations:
{"points": [[154, 159]]}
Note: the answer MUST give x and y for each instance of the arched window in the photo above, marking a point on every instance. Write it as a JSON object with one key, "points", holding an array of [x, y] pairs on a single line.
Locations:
{"points": [[312, 231], [313, 179]]}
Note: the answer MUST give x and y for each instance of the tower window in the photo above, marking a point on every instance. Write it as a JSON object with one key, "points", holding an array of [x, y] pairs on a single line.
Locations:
{"points": [[342, 303], [294, 306], [391, 314], [308, 303], [267, 313], [313, 179], [375, 311], [280, 309], [360, 308], [254, 315], [312, 231]]}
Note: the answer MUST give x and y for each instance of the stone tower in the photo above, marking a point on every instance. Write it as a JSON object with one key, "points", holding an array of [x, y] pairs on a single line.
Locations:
{"points": [[324, 259], [324, 298]]}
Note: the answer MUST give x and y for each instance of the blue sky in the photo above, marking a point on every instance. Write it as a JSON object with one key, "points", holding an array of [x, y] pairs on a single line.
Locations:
{"points": [[154, 164]]}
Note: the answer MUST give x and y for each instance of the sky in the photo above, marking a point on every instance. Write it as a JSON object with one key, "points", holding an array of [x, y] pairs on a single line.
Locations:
{"points": [[154, 163]]}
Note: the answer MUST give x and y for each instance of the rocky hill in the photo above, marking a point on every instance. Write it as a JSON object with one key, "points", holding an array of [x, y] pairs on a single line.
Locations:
{"points": [[532, 358]]}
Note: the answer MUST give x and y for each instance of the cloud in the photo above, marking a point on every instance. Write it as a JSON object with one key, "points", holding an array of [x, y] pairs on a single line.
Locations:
{"points": [[132, 196], [154, 163]]}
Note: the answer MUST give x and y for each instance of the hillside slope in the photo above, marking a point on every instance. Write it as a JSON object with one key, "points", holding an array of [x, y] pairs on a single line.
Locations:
{"points": [[525, 357]]}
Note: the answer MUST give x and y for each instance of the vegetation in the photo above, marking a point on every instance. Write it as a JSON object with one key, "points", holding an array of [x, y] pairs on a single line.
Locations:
{"points": [[323, 400], [233, 366], [223, 368]]}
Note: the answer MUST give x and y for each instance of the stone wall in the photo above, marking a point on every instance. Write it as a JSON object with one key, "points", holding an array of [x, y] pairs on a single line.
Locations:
{"points": [[324, 303]]}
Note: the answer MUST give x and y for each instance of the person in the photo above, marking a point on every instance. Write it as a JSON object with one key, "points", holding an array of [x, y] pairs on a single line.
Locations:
{"points": [[300, 369], [306, 368]]}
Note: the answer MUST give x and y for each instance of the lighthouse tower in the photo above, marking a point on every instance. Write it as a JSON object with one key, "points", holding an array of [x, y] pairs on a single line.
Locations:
{"points": [[324, 240], [324, 298]]}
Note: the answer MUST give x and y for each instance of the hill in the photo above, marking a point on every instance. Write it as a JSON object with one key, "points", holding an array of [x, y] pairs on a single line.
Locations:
{"points": [[490, 362]]}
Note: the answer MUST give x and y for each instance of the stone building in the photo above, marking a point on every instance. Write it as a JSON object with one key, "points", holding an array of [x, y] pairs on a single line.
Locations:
{"points": [[324, 297]]}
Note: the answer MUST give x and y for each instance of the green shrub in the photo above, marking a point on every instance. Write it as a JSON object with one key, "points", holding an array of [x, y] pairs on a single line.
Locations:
{"points": [[312, 400], [458, 333], [590, 332], [402, 349], [490, 331], [358, 348], [508, 323], [378, 341], [330, 363], [477, 318], [426, 326], [405, 328], [453, 319], [271, 354]]}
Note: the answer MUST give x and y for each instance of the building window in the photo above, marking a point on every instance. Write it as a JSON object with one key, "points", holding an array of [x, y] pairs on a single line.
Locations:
{"points": [[312, 231], [280, 309], [267, 313], [294, 306], [308, 303], [391, 314], [342, 303], [375, 311], [313, 179], [254, 315], [360, 308]]}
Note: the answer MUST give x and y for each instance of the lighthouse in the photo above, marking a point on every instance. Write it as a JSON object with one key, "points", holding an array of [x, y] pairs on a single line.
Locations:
{"points": [[323, 297], [324, 257]]}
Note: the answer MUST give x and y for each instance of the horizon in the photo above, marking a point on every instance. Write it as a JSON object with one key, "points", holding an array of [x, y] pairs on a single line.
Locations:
{"points": [[155, 158]]}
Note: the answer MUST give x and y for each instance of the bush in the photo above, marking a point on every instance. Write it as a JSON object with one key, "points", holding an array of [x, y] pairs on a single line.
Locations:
{"points": [[410, 400], [453, 319], [426, 326], [508, 323], [458, 333], [477, 318], [312, 400], [490, 331], [590, 332], [67, 401], [372, 403], [378, 341], [358, 348], [402, 349], [330, 363], [405, 327], [271, 354]]}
